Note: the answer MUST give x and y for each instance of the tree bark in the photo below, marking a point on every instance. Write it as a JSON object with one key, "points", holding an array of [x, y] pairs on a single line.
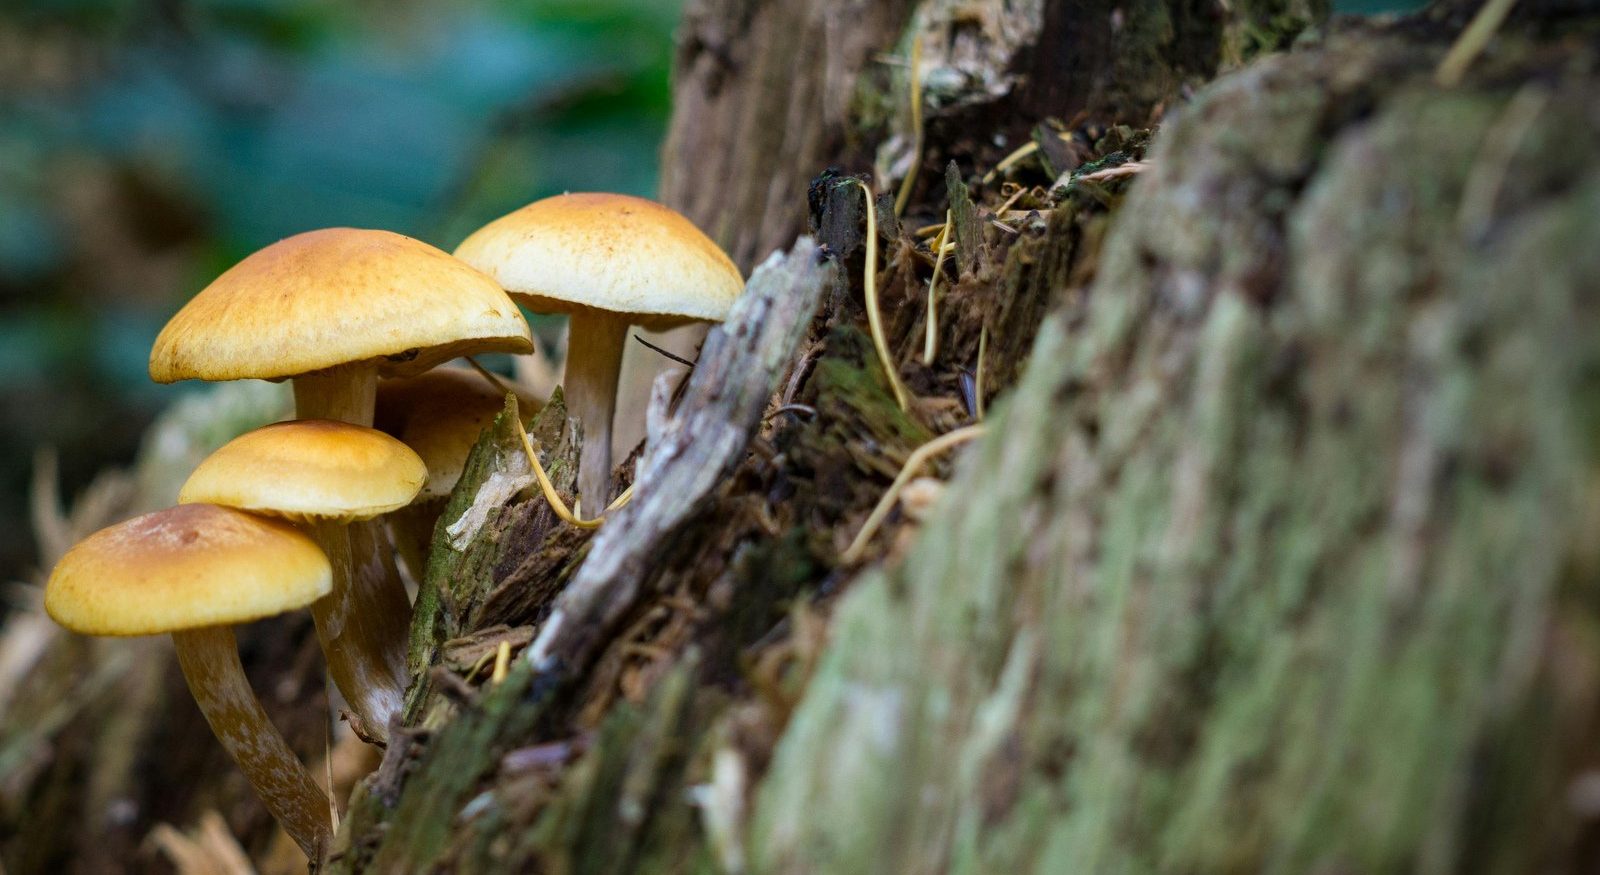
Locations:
{"points": [[769, 93], [1275, 554], [1281, 556]]}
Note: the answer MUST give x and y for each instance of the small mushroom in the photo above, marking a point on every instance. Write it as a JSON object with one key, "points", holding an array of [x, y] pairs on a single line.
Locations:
{"points": [[328, 475], [440, 415], [332, 310], [195, 571], [608, 261]]}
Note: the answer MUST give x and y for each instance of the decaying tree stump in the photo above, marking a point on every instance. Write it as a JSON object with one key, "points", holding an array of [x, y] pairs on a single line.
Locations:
{"points": [[1275, 554], [1282, 555], [768, 93]]}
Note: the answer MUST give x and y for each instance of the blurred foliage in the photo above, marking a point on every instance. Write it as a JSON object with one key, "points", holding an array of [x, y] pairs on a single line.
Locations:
{"points": [[1376, 7], [145, 146]]}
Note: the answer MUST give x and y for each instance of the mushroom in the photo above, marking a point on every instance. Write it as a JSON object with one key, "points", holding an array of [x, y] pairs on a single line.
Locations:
{"points": [[440, 415], [608, 261], [332, 310], [326, 475], [194, 571]]}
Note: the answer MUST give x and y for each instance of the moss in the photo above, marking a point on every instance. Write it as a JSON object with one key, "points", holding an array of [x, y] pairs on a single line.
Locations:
{"points": [[457, 580], [1284, 560]]}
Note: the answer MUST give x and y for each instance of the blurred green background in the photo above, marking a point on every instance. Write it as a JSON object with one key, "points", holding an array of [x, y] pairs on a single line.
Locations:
{"points": [[146, 146]]}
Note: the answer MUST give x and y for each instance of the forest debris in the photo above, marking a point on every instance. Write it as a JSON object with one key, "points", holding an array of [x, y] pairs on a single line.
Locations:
{"points": [[549, 755], [208, 849], [1005, 163], [547, 488], [914, 463], [495, 492], [930, 345], [465, 653], [107, 499], [461, 580], [1053, 153], [910, 179], [490, 377], [502, 662], [977, 377], [1472, 42], [965, 215], [1131, 168], [24, 639], [722, 808], [1495, 157], [919, 497], [690, 452], [869, 286]]}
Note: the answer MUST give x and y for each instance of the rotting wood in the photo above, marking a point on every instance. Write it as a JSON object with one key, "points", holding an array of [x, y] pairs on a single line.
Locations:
{"points": [[771, 92], [405, 816], [689, 452], [1287, 533], [463, 579]]}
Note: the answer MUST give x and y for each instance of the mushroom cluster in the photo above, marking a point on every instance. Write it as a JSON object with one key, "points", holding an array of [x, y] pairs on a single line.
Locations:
{"points": [[293, 515]]}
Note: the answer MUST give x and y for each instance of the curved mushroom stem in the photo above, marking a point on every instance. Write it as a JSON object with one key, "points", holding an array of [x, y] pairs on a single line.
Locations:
{"points": [[210, 661], [363, 623], [595, 340]]}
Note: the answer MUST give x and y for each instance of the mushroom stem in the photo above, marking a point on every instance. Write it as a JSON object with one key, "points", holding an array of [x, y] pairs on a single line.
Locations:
{"points": [[594, 360], [363, 623], [210, 660], [347, 393]]}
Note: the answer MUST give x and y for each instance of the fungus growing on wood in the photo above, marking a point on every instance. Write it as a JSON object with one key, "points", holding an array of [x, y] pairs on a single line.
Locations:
{"points": [[333, 310], [328, 475], [608, 261], [194, 571]]}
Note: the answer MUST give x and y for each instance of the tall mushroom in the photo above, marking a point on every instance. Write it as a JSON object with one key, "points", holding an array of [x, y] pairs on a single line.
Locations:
{"points": [[608, 261], [327, 475], [440, 416], [194, 571], [332, 310]]}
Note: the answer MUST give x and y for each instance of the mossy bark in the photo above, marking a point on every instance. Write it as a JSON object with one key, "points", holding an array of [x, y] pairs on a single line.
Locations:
{"points": [[768, 93], [1281, 555], [1276, 555]]}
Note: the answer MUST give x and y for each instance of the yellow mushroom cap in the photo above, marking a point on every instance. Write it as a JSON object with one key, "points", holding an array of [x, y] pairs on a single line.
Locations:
{"points": [[333, 297], [309, 468], [440, 415], [184, 568], [610, 252]]}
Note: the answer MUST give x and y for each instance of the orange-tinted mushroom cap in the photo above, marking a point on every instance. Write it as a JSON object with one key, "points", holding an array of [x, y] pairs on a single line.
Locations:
{"points": [[333, 297], [309, 469], [611, 252], [186, 567]]}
